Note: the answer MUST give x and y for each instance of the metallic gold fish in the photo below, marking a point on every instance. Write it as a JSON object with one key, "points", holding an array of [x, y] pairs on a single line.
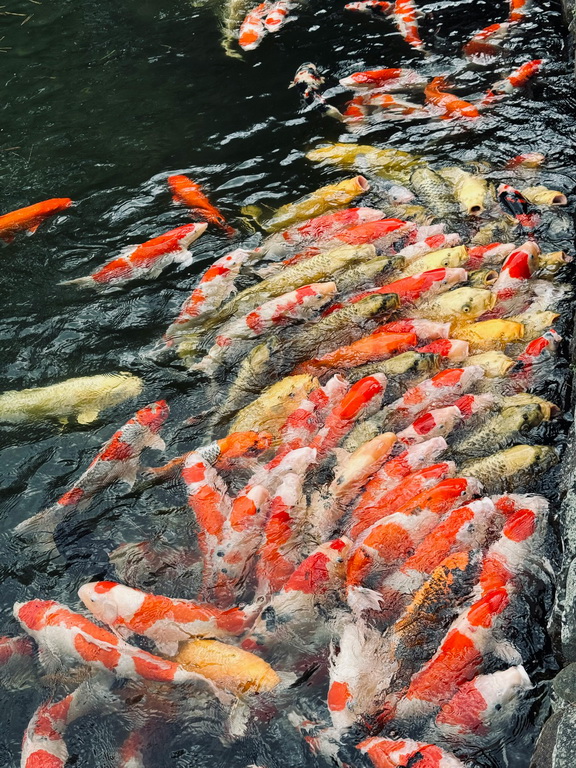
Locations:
{"points": [[509, 468], [446, 257], [489, 334], [459, 305], [495, 363]]}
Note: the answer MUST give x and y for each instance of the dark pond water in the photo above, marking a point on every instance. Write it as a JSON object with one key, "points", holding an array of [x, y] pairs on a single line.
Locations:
{"points": [[101, 102]]}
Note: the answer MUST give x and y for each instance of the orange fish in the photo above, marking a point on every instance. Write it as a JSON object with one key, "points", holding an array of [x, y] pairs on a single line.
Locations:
{"points": [[187, 192], [447, 103], [29, 219]]}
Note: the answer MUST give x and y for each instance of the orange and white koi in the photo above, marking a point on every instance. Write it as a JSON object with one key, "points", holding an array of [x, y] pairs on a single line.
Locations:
{"points": [[388, 753], [413, 459], [164, 620], [483, 45], [463, 529], [362, 399], [526, 160], [453, 350], [291, 616], [438, 422], [516, 79], [252, 29], [384, 105], [488, 255], [189, 193], [146, 261], [425, 330], [118, 460], [215, 286], [43, 745], [536, 360], [517, 10], [406, 19], [277, 15], [448, 105], [64, 635], [442, 389], [425, 284], [483, 707], [380, 233], [385, 80], [292, 307], [428, 244], [379, 345], [29, 219]]}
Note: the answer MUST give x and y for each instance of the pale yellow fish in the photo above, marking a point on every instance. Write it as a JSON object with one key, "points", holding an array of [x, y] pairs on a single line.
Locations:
{"points": [[482, 278], [321, 201], [389, 163], [549, 409], [495, 363], [459, 305], [446, 257], [80, 398], [535, 323], [505, 469], [488, 334], [551, 263], [544, 196], [228, 666], [269, 411], [470, 191], [354, 469]]}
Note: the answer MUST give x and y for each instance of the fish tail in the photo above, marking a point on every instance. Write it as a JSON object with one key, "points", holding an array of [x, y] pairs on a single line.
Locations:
{"points": [[38, 530], [82, 282]]}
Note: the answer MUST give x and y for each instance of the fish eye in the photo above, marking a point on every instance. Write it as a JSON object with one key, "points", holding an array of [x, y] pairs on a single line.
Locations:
{"points": [[466, 308], [446, 263]]}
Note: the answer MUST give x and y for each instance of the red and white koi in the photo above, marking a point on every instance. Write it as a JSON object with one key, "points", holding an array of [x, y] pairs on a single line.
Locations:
{"points": [[537, 359], [406, 19], [253, 29], [131, 753], [423, 246], [289, 308], [291, 616], [518, 10], [425, 330], [442, 389], [118, 460], [164, 620], [388, 753], [362, 400], [277, 15], [380, 233], [385, 80], [215, 286], [518, 267], [527, 160], [373, 7], [483, 707], [64, 635], [453, 350], [516, 79], [146, 261], [483, 46], [43, 745], [488, 255], [438, 422], [416, 287]]}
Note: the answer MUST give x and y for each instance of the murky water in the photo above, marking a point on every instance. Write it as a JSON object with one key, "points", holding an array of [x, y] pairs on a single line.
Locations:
{"points": [[101, 102]]}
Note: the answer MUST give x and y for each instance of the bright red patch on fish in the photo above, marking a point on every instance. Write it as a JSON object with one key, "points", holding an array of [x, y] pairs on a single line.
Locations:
{"points": [[71, 497], [42, 759], [108, 657], [482, 613], [338, 696], [117, 450], [310, 576], [520, 526]]}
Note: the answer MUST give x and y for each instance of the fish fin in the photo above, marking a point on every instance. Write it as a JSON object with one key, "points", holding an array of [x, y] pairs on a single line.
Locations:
{"points": [[129, 472], [185, 260], [82, 282], [363, 599], [154, 441], [32, 228], [7, 238], [87, 417], [508, 653], [252, 212]]}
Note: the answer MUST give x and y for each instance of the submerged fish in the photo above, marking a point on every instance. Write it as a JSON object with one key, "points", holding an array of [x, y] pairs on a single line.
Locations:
{"points": [[29, 219], [386, 80], [434, 192], [406, 753], [81, 398], [448, 105], [507, 468], [390, 163], [489, 334], [189, 193]]}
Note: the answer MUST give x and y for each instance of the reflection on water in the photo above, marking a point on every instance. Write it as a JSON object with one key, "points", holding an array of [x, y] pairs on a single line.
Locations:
{"points": [[101, 102]]}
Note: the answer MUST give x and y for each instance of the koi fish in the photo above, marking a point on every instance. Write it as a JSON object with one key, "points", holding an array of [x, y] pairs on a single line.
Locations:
{"points": [[65, 635], [377, 346], [488, 255], [215, 286], [426, 284], [277, 15], [43, 745], [448, 105], [536, 357], [131, 754], [438, 422], [29, 219], [308, 82], [507, 467], [386, 80], [429, 244], [406, 20], [453, 350], [380, 233], [292, 307], [373, 7], [462, 304], [517, 10], [387, 753], [165, 621], [483, 45], [117, 460], [425, 330], [189, 193], [514, 204], [518, 78], [526, 160], [146, 261], [483, 707]]}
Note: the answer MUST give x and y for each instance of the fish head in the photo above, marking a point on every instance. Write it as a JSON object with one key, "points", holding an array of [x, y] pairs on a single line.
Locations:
{"points": [[465, 303], [248, 443], [153, 416], [502, 688], [319, 294], [522, 418], [495, 363], [297, 461], [109, 601], [191, 232]]}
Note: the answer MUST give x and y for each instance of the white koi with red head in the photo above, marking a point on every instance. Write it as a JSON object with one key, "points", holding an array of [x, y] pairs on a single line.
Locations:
{"points": [[164, 620], [118, 460], [292, 307], [69, 637], [519, 77], [214, 287], [483, 46], [388, 753], [277, 15], [434, 242], [454, 350], [483, 708], [146, 261], [252, 29]]}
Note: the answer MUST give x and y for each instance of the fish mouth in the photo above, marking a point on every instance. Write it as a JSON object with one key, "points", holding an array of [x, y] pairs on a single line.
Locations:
{"points": [[363, 183], [475, 210]]}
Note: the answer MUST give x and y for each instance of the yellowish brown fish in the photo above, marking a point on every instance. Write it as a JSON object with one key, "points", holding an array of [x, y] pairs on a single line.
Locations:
{"points": [[230, 667], [505, 428], [549, 409], [393, 164], [469, 190], [496, 364], [489, 334], [80, 398], [507, 469], [269, 411], [544, 196], [446, 257], [321, 201], [535, 323], [501, 230], [482, 278], [459, 305]]}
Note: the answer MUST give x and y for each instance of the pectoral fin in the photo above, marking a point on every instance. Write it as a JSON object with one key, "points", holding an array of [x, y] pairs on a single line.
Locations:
{"points": [[87, 417]]}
